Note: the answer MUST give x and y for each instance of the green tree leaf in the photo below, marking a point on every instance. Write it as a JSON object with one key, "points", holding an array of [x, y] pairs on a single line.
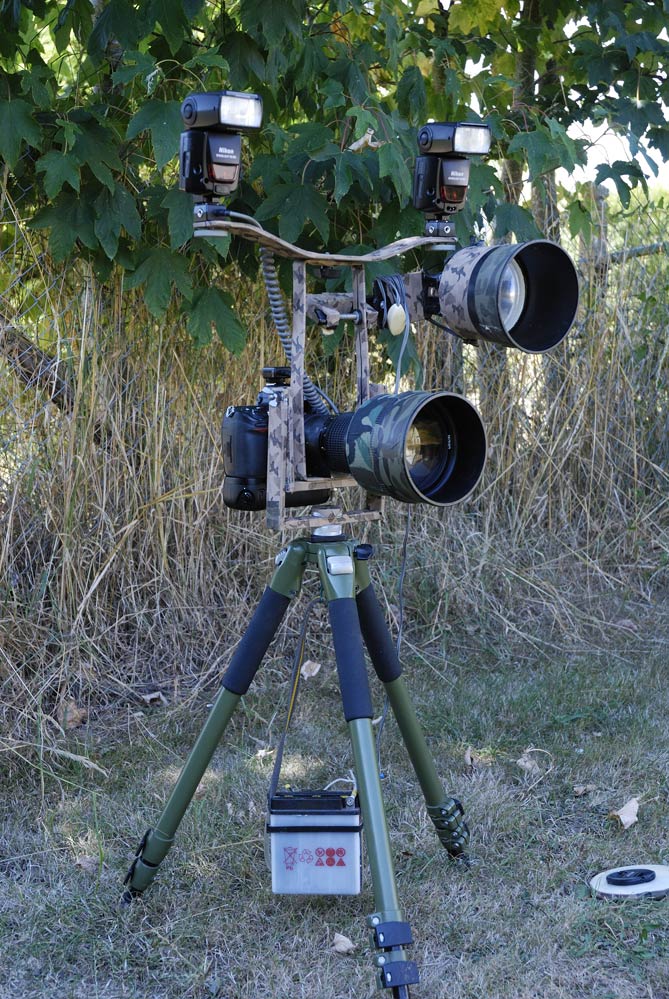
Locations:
{"points": [[114, 210], [294, 205], [58, 168], [38, 81], [539, 148], [75, 17], [343, 175], [274, 20], [69, 219], [179, 216], [171, 16], [17, 126], [393, 165], [160, 270], [211, 59], [513, 218], [467, 15], [119, 22], [580, 222], [163, 120], [659, 139], [96, 146], [213, 308], [616, 172], [411, 94], [134, 64]]}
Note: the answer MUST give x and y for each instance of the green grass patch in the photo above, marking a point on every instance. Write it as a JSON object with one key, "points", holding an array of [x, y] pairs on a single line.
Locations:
{"points": [[519, 922]]}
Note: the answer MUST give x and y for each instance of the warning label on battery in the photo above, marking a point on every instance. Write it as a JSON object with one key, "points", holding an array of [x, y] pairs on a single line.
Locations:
{"points": [[329, 856]]}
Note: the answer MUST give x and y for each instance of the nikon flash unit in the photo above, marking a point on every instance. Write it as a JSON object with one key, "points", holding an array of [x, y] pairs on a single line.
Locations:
{"points": [[441, 175], [210, 154]]}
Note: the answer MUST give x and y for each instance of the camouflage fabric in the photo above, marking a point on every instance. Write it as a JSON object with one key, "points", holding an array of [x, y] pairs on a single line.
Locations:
{"points": [[454, 286], [377, 437], [298, 344], [277, 435]]}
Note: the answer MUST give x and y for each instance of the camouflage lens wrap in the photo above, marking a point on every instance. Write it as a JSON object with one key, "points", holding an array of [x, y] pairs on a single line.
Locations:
{"points": [[453, 290], [469, 294], [376, 447]]}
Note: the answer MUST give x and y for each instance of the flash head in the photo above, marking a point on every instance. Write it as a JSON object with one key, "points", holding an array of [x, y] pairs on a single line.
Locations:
{"points": [[223, 111], [461, 138]]}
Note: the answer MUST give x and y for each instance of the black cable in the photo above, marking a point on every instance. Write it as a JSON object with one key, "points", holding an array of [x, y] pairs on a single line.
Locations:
{"points": [[442, 326]]}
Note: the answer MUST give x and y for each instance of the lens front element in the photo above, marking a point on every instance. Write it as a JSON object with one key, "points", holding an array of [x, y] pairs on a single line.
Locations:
{"points": [[511, 295], [429, 453]]}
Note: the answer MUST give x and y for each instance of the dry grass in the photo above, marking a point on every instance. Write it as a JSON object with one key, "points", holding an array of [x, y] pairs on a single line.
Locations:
{"points": [[536, 614]]}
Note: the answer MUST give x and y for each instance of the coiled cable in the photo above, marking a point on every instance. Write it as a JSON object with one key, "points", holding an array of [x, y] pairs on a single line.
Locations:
{"points": [[278, 308]]}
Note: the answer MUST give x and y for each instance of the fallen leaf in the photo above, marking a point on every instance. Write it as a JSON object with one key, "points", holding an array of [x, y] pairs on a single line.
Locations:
{"points": [[342, 944], [628, 814], [477, 758], [89, 865], [528, 763], [581, 789], [368, 139], [309, 669], [70, 715], [155, 697]]}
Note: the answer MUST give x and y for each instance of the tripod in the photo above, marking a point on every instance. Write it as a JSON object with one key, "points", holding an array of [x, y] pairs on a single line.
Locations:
{"points": [[355, 618]]}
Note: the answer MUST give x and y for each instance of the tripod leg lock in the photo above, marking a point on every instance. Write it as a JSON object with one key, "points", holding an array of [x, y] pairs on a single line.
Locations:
{"points": [[448, 820], [390, 936], [151, 850]]}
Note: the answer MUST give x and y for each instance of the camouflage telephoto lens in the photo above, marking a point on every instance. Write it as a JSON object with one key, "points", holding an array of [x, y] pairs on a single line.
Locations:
{"points": [[418, 447], [521, 295]]}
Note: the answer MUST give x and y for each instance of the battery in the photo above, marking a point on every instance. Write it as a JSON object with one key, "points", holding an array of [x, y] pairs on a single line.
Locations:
{"points": [[313, 843]]}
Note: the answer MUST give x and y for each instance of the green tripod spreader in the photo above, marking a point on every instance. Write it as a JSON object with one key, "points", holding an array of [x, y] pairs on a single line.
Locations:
{"points": [[357, 622]]}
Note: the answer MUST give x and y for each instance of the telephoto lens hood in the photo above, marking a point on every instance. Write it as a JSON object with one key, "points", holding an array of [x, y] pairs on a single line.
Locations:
{"points": [[522, 295]]}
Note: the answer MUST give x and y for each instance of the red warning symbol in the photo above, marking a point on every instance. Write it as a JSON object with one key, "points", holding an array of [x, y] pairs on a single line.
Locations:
{"points": [[325, 857]]}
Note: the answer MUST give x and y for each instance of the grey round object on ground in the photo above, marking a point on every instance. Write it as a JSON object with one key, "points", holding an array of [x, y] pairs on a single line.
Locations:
{"points": [[633, 881]]}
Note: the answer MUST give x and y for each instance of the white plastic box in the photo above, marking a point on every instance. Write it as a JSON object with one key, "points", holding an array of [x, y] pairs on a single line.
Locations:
{"points": [[313, 843]]}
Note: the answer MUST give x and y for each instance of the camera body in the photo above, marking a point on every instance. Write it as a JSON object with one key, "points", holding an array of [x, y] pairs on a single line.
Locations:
{"points": [[244, 440]]}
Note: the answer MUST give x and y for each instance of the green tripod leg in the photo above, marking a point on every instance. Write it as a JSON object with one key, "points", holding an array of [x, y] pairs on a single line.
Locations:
{"points": [[244, 665], [390, 932], [446, 812]]}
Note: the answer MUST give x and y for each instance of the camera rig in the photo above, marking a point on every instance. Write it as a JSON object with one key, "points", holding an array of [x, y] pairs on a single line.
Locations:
{"points": [[288, 474], [414, 446], [289, 450]]}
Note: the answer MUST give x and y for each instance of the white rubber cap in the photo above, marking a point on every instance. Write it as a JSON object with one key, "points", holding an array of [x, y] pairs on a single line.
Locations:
{"points": [[397, 319]]}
